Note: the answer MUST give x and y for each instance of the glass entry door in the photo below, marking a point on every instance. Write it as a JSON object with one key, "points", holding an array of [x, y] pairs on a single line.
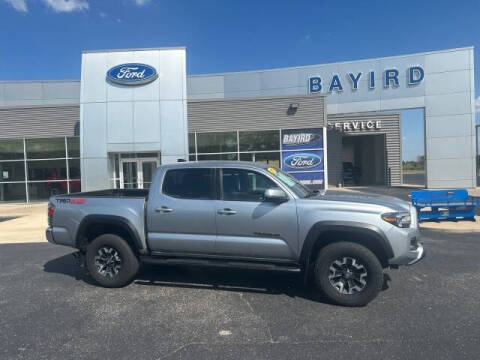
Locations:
{"points": [[137, 173]]}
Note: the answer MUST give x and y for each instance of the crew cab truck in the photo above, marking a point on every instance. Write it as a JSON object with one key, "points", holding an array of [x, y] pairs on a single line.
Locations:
{"points": [[244, 215]]}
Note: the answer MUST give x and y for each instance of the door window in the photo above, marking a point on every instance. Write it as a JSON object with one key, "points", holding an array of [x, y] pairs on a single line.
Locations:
{"points": [[130, 175], [148, 168], [136, 173], [189, 183], [244, 185]]}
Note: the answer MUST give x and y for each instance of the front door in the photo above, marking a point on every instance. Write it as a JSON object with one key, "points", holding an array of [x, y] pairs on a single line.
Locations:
{"points": [[137, 173], [248, 226]]}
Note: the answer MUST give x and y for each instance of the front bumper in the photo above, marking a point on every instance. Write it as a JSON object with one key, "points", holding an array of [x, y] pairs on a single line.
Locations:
{"points": [[420, 254], [412, 256]]}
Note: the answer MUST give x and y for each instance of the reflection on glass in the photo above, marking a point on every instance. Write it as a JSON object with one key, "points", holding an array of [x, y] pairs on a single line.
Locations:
{"points": [[47, 170], [45, 148], [413, 146], [217, 142], [11, 149], [232, 156], [12, 171], [44, 190], [191, 142], [13, 192], [259, 140], [270, 158], [73, 145], [478, 155], [74, 168], [148, 168], [75, 186], [130, 175], [191, 158]]}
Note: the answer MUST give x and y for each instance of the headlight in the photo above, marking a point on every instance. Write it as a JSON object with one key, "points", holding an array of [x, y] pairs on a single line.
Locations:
{"points": [[402, 220]]}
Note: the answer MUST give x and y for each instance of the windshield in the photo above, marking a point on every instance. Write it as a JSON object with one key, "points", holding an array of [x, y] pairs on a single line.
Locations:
{"points": [[293, 184]]}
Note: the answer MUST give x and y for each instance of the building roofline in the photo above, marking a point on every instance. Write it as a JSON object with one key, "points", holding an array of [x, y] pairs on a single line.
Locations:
{"points": [[137, 49], [39, 81]]}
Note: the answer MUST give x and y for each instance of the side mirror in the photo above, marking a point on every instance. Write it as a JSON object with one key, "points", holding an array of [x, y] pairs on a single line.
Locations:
{"points": [[275, 195]]}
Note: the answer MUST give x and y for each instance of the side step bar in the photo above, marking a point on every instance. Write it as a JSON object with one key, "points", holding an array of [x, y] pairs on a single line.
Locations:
{"points": [[220, 263]]}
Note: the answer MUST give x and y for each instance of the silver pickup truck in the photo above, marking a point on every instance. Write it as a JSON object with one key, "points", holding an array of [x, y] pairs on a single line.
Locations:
{"points": [[244, 215]]}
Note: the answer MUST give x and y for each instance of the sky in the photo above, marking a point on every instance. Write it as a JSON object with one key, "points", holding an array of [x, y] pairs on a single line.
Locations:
{"points": [[43, 39]]}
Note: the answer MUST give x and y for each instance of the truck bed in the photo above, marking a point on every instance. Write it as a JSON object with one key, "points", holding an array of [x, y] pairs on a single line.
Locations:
{"points": [[112, 193]]}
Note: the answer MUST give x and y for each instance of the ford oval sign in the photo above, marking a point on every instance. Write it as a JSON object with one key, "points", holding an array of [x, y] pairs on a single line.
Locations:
{"points": [[302, 161], [132, 74]]}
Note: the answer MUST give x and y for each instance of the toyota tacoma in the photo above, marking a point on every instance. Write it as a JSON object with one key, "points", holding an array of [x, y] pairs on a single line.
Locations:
{"points": [[243, 215]]}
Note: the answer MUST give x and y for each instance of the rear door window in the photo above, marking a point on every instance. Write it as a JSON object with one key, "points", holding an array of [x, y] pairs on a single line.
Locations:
{"points": [[189, 184]]}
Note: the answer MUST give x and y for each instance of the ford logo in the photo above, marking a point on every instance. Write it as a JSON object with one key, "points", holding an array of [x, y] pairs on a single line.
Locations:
{"points": [[302, 161], [132, 74]]}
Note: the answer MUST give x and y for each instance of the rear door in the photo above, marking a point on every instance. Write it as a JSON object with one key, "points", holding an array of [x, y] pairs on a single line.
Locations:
{"points": [[248, 226], [181, 214]]}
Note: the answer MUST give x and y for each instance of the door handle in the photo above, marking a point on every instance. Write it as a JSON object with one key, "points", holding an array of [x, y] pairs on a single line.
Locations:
{"points": [[163, 210], [226, 212]]}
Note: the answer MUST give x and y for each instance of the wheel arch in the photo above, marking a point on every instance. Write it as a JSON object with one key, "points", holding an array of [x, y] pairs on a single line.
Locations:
{"points": [[327, 232], [93, 226]]}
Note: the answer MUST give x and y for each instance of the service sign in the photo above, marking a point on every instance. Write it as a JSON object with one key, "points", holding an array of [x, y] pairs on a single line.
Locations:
{"points": [[132, 74]]}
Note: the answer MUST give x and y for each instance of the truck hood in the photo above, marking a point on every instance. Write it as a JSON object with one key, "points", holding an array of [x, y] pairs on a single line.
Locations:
{"points": [[391, 202]]}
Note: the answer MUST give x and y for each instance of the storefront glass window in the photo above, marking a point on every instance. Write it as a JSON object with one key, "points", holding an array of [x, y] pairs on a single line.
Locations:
{"points": [[45, 176], [75, 186], [11, 149], [191, 143], [13, 192], [231, 156], [12, 171], [73, 145], [43, 190], [259, 140], [74, 168], [478, 155], [217, 142], [47, 170], [45, 148], [270, 158], [413, 146]]}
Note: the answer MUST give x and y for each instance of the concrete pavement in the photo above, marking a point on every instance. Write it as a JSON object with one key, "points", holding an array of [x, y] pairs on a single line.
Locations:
{"points": [[28, 225]]}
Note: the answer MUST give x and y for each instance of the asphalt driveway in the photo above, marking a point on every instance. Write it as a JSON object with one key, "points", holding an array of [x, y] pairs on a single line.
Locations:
{"points": [[49, 309]]}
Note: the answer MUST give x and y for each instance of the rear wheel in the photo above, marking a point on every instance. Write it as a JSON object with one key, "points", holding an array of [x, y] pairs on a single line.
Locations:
{"points": [[111, 261], [348, 274]]}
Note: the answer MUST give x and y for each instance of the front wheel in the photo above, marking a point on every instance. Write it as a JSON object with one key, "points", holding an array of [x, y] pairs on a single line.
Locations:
{"points": [[348, 274], [111, 261]]}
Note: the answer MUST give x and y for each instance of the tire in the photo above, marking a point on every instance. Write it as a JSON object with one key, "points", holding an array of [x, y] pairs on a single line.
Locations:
{"points": [[344, 281], [111, 261]]}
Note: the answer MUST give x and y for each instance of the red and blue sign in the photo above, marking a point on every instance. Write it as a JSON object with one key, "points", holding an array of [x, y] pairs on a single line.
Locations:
{"points": [[303, 155]]}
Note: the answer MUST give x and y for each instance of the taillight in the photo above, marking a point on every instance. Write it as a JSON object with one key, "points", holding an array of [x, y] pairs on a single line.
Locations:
{"points": [[51, 210]]}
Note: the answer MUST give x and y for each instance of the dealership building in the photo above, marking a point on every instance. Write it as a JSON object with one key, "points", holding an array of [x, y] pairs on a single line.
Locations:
{"points": [[331, 124]]}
